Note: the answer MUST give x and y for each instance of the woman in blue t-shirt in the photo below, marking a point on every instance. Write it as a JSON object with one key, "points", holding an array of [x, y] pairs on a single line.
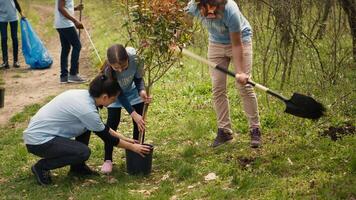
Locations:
{"points": [[123, 65], [230, 39], [73, 114]]}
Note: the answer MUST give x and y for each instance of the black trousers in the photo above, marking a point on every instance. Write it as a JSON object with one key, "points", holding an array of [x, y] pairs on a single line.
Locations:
{"points": [[69, 38], [15, 43], [61, 151], [113, 121]]}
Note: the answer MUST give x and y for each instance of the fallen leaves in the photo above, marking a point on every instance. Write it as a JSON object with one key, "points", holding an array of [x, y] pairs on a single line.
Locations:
{"points": [[210, 177]]}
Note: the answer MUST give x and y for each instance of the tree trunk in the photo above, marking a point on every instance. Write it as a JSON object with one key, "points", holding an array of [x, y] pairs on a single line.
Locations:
{"points": [[322, 24], [349, 7], [141, 136]]}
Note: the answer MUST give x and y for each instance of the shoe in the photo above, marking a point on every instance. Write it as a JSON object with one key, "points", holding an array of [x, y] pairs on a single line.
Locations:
{"points": [[43, 177], [63, 79], [222, 136], [107, 167], [255, 138], [81, 170], [75, 79], [5, 65], [16, 65]]}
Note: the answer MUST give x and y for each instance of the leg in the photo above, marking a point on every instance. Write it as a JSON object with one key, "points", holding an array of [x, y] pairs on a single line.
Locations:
{"points": [[113, 121], [216, 54], [114, 115], [59, 152], [64, 52], [74, 40], [249, 99], [84, 139], [3, 29], [221, 103], [15, 43], [247, 93], [139, 109]]}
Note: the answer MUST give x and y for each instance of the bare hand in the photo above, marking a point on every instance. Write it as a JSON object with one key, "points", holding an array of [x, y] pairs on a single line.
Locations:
{"points": [[141, 149], [139, 121], [78, 24], [144, 97], [79, 7], [242, 78]]}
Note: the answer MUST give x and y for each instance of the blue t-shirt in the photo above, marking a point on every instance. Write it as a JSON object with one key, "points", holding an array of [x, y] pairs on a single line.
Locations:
{"points": [[8, 11], [126, 79], [68, 115], [220, 29], [60, 21]]}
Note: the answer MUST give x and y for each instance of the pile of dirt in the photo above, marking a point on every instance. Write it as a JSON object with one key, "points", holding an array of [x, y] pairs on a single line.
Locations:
{"points": [[338, 132]]}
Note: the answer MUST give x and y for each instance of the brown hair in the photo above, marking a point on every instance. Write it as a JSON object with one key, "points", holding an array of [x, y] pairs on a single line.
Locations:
{"points": [[117, 54]]}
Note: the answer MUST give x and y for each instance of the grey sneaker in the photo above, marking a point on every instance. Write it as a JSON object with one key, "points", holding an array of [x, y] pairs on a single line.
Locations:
{"points": [[63, 79], [75, 79], [222, 136], [16, 65], [255, 138], [5, 65]]}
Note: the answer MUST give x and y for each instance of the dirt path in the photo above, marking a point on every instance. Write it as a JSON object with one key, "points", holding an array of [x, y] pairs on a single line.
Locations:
{"points": [[24, 86]]}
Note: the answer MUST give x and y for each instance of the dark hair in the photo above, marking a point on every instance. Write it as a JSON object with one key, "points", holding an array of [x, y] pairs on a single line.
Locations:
{"points": [[102, 84], [117, 54], [107, 70], [211, 2]]}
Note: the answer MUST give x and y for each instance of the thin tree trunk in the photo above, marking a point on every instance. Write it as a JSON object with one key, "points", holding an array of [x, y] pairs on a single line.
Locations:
{"points": [[349, 7], [322, 24]]}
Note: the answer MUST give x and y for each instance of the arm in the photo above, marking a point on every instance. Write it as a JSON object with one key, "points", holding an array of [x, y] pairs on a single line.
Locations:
{"points": [[64, 12], [135, 116], [238, 58], [17, 5], [115, 139]]}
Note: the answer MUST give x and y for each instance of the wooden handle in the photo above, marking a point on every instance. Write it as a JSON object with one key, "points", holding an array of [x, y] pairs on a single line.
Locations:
{"points": [[230, 73]]}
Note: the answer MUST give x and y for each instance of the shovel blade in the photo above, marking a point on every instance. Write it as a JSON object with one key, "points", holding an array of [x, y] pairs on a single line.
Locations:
{"points": [[304, 106]]}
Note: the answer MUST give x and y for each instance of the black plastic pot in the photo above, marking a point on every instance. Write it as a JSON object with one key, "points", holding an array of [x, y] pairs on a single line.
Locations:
{"points": [[136, 164], [2, 97]]}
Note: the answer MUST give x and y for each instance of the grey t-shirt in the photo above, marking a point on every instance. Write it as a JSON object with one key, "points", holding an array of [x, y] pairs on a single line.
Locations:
{"points": [[68, 115], [8, 12]]}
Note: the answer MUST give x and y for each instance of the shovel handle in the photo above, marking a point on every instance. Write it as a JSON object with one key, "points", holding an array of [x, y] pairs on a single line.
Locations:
{"points": [[230, 73]]}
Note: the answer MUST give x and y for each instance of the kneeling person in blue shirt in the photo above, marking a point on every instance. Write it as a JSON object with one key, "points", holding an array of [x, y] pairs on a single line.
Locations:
{"points": [[73, 114]]}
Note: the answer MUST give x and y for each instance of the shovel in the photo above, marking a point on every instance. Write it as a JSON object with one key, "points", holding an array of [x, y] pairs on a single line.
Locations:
{"points": [[299, 105]]}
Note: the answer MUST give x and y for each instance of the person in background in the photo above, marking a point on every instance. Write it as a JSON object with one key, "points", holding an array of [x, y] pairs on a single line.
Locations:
{"points": [[123, 65], [230, 38], [66, 25], [8, 15], [73, 114]]}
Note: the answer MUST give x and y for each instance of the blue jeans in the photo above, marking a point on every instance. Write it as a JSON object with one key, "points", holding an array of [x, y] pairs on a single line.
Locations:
{"points": [[69, 37], [15, 43]]}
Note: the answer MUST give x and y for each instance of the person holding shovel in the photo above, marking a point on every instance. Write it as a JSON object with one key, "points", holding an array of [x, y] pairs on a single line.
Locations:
{"points": [[230, 37], [73, 113], [65, 23], [8, 15], [123, 65]]}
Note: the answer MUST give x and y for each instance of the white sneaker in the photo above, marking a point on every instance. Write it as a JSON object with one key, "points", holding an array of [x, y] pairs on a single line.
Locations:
{"points": [[106, 168]]}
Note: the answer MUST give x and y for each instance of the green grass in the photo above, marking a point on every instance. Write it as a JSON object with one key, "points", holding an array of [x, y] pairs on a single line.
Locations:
{"points": [[295, 162]]}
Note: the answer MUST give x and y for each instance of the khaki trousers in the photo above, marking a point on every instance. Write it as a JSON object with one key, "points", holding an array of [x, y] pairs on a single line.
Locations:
{"points": [[221, 54]]}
